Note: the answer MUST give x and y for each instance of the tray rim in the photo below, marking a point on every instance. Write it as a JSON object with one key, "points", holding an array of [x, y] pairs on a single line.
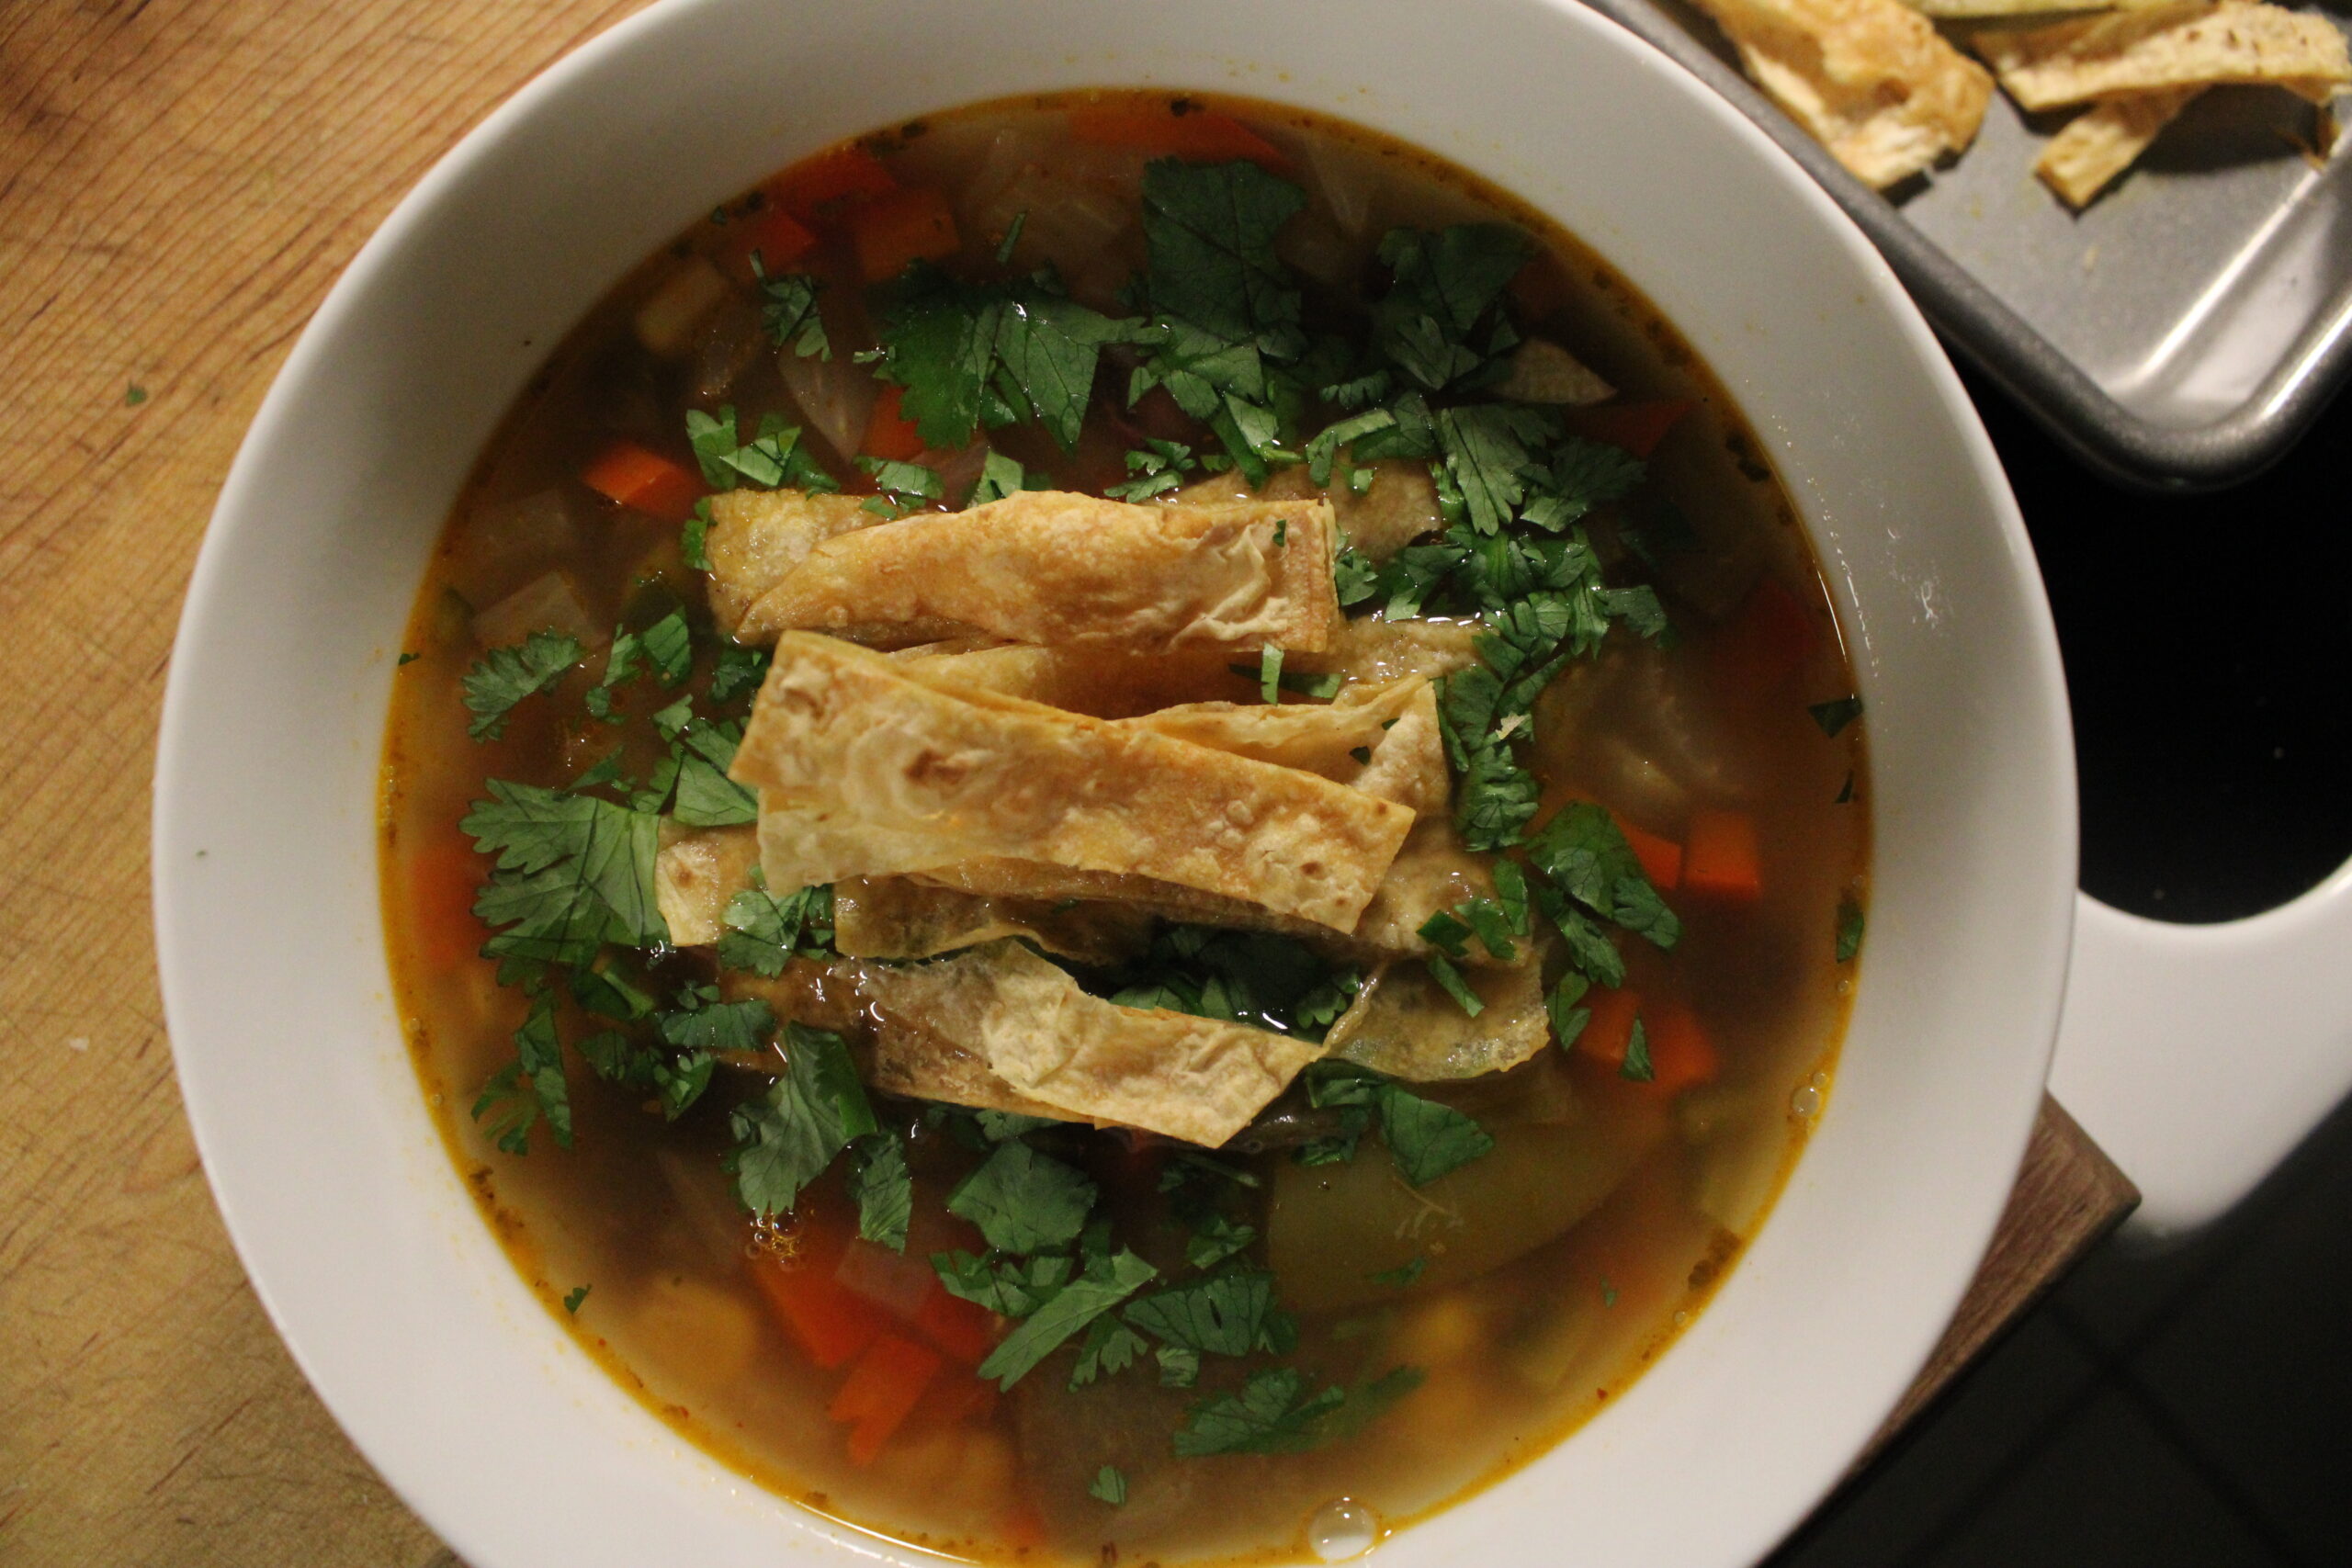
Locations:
{"points": [[1981, 326]]}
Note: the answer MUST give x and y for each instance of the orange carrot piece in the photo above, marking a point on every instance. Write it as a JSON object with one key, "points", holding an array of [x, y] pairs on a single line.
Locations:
{"points": [[888, 434], [443, 879], [629, 474], [775, 236], [1637, 427], [966, 1330], [1720, 857], [828, 1322], [1768, 640], [830, 181], [1661, 858], [905, 226], [1201, 135], [1611, 1029], [881, 1389], [1681, 1056]]}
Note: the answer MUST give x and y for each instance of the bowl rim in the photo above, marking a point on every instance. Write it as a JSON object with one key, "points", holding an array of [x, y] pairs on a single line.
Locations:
{"points": [[178, 899]]}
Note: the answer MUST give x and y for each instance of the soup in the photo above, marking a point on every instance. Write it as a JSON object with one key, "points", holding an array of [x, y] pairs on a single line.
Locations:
{"points": [[1124, 827]]}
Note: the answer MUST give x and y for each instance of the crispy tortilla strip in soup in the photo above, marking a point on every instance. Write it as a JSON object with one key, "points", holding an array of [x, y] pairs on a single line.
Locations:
{"points": [[1200, 1079], [2161, 47], [1101, 682], [891, 775], [1404, 1024], [1050, 567], [892, 917], [1871, 80], [2104, 141], [696, 871]]}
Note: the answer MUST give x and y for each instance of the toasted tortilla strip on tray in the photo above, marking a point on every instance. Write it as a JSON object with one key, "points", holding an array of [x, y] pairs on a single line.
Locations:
{"points": [[2159, 48], [867, 770], [2104, 141], [1871, 80], [1030, 1025], [1053, 567]]}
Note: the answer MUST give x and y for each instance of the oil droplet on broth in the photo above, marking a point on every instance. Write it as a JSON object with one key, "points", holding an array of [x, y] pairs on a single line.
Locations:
{"points": [[1342, 1528]]}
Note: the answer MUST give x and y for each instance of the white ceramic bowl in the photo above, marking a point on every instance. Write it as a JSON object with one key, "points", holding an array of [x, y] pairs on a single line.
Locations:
{"points": [[361, 1242]]}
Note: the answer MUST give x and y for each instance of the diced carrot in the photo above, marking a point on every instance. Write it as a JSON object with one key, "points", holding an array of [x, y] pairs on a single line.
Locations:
{"points": [[881, 1389], [1681, 1056], [957, 1396], [444, 878], [909, 225], [1637, 427], [1719, 856], [1022, 1528], [829, 1323], [1768, 640], [966, 1330], [1611, 1029], [1661, 858], [830, 182], [631, 476], [774, 235], [889, 434], [1202, 135]]}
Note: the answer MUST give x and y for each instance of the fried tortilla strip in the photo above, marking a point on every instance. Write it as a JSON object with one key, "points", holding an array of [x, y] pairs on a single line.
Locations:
{"points": [[758, 537], [1974, 10], [895, 916], [1871, 80], [2105, 139], [1101, 682], [1371, 648], [866, 771], [2160, 48], [1054, 568], [694, 874], [1199, 1080], [1395, 507], [1404, 1023]]}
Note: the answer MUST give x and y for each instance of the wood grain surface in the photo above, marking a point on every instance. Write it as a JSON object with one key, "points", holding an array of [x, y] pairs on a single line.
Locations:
{"points": [[180, 180]]}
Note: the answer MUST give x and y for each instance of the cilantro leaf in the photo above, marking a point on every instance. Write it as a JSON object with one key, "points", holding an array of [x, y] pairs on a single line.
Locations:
{"points": [[538, 1064], [505, 676], [1156, 468], [789, 310], [1353, 577], [1010, 1287], [1637, 1067], [693, 537], [1216, 1238], [571, 872], [1425, 1138], [1225, 1314], [1446, 284], [1106, 1283], [737, 672], [1180, 1365], [1260, 979], [1109, 1485], [1273, 1413], [787, 1138], [1849, 928], [1022, 1200], [575, 1297], [1210, 231], [975, 354], [1583, 852], [884, 1191], [738, 1027], [764, 932], [1110, 1347], [706, 796], [774, 457], [1000, 475], [1834, 717], [1451, 982], [1568, 1019]]}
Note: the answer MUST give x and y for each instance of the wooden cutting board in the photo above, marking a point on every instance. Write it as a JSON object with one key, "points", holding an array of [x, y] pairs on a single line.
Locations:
{"points": [[180, 180]]}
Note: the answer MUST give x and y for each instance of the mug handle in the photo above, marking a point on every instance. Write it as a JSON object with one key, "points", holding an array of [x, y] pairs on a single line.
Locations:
{"points": [[2199, 1056]]}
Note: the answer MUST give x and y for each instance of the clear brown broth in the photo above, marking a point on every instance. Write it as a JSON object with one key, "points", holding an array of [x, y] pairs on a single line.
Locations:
{"points": [[1515, 1359]]}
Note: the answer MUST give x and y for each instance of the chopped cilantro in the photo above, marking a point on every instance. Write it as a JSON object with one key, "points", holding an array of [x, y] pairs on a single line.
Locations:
{"points": [[789, 310], [133, 395], [1106, 1281], [1273, 1413], [1010, 1287], [1022, 1200], [1568, 1019], [1845, 791], [1322, 688], [1110, 1347], [904, 483], [1110, 1485], [740, 1027], [571, 872], [885, 1193], [774, 457], [1637, 1066], [787, 1138], [975, 354], [1836, 715], [1260, 979], [999, 1126], [1180, 1365], [406, 658], [1000, 475], [537, 1066], [1425, 1138], [1229, 1313], [1584, 854], [1353, 577], [693, 535], [572, 1299], [1849, 928], [1216, 1238], [1442, 322], [505, 676], [1158, 468], [737, 672], [1449, 980]]}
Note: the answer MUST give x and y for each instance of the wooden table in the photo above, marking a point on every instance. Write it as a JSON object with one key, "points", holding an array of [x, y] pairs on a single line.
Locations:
{"points": [[180, 180]]}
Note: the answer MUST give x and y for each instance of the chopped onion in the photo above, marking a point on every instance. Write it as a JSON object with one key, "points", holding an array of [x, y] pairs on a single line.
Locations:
{"points": [[666, 321], [897, 1284], [725, 348], [835, 397]]}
